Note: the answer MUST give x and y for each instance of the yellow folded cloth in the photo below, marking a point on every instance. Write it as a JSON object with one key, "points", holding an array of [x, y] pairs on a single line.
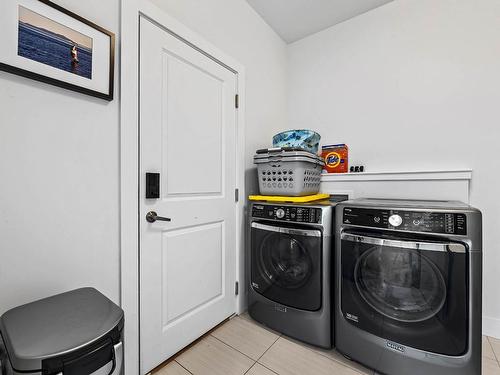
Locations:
{"points": [[274, 198]]}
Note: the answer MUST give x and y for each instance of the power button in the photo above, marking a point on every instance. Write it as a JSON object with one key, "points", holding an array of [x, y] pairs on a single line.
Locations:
{"points": [[395, 220]]}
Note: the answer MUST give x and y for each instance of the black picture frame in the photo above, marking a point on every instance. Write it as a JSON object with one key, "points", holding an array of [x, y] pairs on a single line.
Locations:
{"points": [[66, 85]]}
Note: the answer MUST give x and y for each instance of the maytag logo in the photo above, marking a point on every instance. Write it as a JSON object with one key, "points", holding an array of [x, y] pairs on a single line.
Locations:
{"points": [[255, 285], [352, 317], [280, 308], [395, 347]]}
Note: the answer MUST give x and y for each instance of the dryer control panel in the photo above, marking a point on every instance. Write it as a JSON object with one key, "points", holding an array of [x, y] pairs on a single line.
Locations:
{"points": [[414, 221], [287, 213]]}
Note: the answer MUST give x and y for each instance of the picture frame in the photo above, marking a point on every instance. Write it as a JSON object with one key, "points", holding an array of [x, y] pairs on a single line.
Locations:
{"points": [[45, 42]]}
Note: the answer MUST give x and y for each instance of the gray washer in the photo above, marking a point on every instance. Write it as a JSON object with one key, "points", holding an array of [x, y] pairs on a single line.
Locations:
{"points": [[74, 332], [408, 286], [289, 258]]}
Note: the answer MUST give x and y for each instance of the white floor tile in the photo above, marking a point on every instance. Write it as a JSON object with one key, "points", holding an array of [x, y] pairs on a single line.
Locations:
{"points": [[487, 349], [288, 358], [246, 336], [172, 368], [336, 356], [212, 357], [258, 369], [490, 367], [495, 344]]}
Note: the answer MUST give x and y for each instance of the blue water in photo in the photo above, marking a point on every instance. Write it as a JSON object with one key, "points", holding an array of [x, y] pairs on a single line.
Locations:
{"points": [[52, 49]]}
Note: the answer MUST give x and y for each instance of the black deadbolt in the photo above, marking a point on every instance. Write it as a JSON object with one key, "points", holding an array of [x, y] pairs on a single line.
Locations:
{"points": [[152, 185]]}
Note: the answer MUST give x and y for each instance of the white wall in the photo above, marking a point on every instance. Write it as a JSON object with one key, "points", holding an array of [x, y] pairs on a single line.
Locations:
{"points": [[237, 30], [59, 154], [58, 183], [413, 85]]}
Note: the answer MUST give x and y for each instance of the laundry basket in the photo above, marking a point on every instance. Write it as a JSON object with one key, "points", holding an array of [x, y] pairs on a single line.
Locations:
{"points": [[74, 333], [288, 171]]}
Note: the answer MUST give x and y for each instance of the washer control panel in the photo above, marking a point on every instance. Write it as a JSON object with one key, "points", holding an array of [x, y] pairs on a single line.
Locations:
{"points": [[287, 213], [414, 221]]}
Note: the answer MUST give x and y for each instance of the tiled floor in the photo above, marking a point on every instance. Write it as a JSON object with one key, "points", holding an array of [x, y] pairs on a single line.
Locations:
{"points": [[242, 346]]}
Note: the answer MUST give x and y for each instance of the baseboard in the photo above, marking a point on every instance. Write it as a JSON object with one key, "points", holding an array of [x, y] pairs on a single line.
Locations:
{"points": [[491, 327]]}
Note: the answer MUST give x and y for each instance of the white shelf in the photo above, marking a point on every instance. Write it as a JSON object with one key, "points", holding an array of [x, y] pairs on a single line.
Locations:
{"points": [[463, 174]]}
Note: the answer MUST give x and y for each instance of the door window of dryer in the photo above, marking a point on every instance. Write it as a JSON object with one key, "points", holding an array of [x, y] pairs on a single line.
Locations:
{"points": [[401, 284], [286, 265], [411, 291]]}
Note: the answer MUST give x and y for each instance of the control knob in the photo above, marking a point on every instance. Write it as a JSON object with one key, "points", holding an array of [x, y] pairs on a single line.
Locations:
{"points": [[280, 213], [395, 220]]}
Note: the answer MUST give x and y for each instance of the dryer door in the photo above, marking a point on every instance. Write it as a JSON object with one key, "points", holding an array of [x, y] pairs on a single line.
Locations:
{"points": [[410, 291], [286, 265]]}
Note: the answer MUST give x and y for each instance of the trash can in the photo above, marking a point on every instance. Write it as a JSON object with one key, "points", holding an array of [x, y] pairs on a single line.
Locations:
{"points": [[73, 333]]}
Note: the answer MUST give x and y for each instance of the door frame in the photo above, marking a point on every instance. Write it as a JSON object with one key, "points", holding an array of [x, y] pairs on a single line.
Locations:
{"points": [[131, 11]]}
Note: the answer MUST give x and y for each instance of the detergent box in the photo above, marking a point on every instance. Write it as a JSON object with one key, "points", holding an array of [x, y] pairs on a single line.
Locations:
{"points": [[336, 158]]}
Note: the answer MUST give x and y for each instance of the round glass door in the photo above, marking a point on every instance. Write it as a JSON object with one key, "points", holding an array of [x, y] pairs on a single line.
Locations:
{"points": [[285, 261], [401, 284]]}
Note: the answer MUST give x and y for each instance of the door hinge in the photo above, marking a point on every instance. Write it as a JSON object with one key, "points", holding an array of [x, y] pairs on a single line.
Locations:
{"points": [[236, 101], [236, 195], [236, 288]]}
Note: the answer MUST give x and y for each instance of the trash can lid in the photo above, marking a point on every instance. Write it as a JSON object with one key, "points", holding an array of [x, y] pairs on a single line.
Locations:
{"points": [[56, 326]]}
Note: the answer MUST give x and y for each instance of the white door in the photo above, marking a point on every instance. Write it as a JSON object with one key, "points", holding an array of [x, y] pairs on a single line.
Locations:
{"points": [[188, 135]]}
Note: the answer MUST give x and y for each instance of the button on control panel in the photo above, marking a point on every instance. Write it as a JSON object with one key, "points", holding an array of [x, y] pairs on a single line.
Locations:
{"points": [[395, 220], [287, 213], [414, 221]]}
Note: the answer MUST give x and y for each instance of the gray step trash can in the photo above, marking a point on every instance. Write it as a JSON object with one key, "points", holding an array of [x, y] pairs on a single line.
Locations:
{"points": [[73, 333]]}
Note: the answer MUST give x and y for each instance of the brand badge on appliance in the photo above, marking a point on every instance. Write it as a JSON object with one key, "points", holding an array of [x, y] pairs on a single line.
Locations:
{"points": [[395, 347], [280, 308], [352, 317]]}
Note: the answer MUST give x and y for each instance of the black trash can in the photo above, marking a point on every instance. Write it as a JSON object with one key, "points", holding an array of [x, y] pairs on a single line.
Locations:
{"points": [[73, 333]]}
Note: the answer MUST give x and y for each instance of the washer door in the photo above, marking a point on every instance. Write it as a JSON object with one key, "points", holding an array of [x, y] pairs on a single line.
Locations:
{"points": [[286, 265], [409, 291], [284, 260]]}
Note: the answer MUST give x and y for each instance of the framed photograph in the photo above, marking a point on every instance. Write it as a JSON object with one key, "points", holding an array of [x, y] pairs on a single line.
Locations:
{"points": [[43, 41]]}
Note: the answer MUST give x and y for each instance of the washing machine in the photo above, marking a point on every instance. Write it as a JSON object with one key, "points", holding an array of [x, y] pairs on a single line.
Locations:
{"points": [[408, 286], [290, 251]]}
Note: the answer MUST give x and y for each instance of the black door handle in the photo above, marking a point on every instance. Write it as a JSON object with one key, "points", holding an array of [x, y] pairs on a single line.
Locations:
{"points": [[152, 216]]}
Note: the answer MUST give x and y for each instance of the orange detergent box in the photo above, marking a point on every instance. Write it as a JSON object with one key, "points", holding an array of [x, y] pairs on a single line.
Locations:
{"points": [[336, 158]]}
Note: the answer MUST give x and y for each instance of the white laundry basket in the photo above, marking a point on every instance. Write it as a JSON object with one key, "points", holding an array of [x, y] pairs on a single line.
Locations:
{"points": [[288, 171]]}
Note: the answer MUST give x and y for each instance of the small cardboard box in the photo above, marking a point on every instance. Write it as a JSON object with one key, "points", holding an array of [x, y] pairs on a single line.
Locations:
{"points": [[336, 158]]}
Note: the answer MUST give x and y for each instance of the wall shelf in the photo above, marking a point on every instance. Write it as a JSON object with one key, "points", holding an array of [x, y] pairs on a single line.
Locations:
{"points": [[462, 174]]}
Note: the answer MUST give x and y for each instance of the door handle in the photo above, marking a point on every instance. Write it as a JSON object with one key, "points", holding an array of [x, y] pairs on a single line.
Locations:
{"points": [[152, 216]]}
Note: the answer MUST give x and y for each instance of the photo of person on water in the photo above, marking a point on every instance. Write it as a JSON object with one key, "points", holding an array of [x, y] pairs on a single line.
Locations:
{"points": [[74, 55], [48, 42]]}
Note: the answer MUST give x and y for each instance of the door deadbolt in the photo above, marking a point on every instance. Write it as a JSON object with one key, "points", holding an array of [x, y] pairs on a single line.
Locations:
{"points": [[152, 185]]}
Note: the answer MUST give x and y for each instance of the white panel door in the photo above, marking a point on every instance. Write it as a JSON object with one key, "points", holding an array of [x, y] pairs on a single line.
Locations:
{"points": [[188, 135]]}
